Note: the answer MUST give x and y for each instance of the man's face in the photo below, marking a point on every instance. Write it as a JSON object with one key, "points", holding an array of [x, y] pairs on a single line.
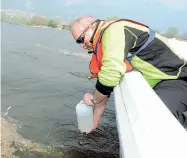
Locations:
{"points": [[82, 35]]}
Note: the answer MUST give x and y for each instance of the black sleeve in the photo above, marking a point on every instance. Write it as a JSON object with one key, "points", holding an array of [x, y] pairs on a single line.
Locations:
{"points": [[105, 90]]}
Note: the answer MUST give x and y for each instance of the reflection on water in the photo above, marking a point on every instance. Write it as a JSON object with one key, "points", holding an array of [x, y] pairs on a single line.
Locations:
{"points": [[44, 76]]}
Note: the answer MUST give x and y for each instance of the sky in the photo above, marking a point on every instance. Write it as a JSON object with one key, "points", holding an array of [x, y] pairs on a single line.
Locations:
{"points": [[158, 14]]}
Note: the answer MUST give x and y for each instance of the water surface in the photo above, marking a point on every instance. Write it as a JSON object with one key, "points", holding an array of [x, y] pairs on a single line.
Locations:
{"points": [[43, 78]]}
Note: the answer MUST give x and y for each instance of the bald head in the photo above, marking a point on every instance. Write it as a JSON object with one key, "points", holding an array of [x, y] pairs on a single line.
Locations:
{"points": [[81, 24]]}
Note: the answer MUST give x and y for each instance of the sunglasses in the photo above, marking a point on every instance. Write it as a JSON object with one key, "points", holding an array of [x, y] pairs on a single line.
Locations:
{"points": [[80, 39]]}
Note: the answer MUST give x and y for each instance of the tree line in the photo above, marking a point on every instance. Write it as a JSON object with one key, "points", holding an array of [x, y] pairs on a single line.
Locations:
{"points": [[38, 20], [35, 20]]}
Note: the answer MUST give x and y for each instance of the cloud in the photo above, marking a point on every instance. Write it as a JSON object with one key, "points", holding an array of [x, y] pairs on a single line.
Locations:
{"points": [[174, 3], [29, 5]]}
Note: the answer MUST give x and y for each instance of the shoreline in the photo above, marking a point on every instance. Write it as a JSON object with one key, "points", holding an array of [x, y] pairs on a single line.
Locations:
{"points": [[6, 138], [41, 26], [13, 143]]}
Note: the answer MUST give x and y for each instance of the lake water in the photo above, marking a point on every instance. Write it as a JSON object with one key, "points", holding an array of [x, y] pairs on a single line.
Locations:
{"points": [[43, 78]]}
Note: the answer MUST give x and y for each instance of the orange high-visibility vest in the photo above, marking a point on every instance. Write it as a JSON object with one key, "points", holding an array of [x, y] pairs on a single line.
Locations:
{"points": [[96, 60]]}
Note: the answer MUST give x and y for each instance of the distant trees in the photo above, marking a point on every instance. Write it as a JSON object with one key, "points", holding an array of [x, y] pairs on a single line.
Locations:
{"points": [[172, 32], [38, 20], [35, 20], [52, 24]]}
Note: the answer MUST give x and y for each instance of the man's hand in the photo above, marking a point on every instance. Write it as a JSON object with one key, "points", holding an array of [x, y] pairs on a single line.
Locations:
{"points": [[99, 107], [87, 99]]}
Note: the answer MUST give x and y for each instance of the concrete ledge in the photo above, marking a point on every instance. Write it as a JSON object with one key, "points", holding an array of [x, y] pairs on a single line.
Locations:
{"points": [[146, 128]]}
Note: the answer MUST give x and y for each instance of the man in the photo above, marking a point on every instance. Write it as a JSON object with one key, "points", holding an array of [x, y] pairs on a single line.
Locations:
{"points": [[119, 46]]}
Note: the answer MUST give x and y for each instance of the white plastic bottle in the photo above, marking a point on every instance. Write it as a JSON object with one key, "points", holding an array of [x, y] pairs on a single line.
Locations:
{"points": [[84, 117]]}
